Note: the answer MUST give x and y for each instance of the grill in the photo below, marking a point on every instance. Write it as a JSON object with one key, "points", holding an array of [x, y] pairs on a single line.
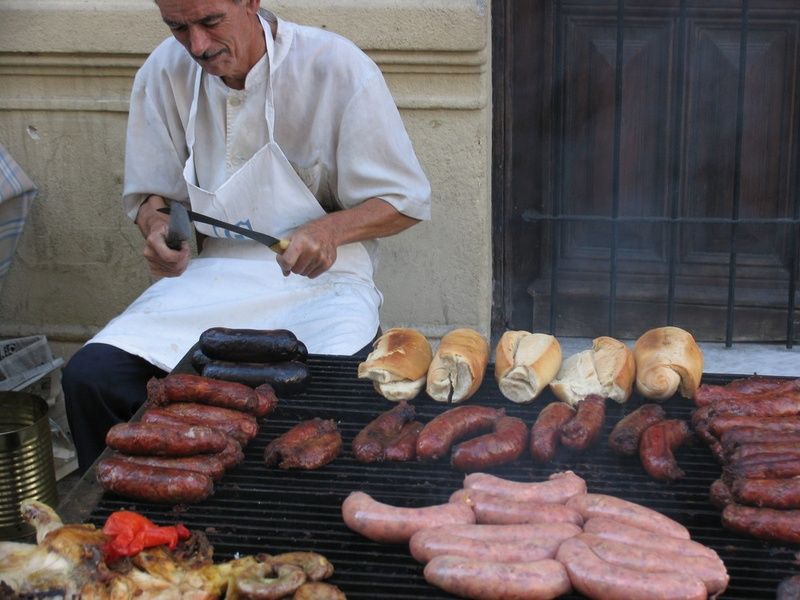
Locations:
{"points": [[256, 509]]}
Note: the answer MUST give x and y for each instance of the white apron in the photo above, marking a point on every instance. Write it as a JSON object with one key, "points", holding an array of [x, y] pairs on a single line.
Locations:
{"points": [[236, 282]]}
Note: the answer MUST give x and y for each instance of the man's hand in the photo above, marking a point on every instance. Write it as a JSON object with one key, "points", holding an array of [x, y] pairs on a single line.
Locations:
{"points": [[163, 261], [312, 247]]}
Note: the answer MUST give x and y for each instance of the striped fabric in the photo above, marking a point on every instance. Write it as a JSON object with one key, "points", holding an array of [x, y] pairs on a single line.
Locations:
{"points": [[16, 193]]}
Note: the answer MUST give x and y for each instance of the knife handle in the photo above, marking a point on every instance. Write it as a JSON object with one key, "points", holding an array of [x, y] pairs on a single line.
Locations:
{"points": [[280, 246]]}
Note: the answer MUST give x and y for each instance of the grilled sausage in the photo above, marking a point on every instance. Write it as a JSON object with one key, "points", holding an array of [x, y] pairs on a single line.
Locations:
{"points": [[708, 394], [184, 387], [720, 494], [159, 416], [658, 443], [466, 578], [624, 438], [719, 424], [224, 419], [596, 578], [630, 513], [711, 571], [232, 455], [370, 444], [761, 466], [498, 510], [781, 405], [738, 436], [505, 444], [198, 359], [308, 445], [583, 429], [153, 484], [611, 529], [392, 524], [207, 464], [252, 345], [546, 430], [763, 523], [762, 449], [559, 487], [164, 440], [442, 431], [491, 543], [287, 378], [770, 493]]}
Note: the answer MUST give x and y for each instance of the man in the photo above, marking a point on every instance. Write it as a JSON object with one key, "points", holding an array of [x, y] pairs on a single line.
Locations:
{"points": [[280, 128]]}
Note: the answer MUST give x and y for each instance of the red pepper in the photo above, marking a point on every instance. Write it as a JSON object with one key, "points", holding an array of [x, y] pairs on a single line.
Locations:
{"points": [[131, 533]]}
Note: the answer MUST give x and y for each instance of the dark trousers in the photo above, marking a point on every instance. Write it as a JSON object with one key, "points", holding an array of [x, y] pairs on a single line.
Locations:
{"points": [[103, 386]]}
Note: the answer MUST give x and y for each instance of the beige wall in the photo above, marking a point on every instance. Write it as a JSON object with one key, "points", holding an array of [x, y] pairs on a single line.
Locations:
{"points": [[66, 67]]}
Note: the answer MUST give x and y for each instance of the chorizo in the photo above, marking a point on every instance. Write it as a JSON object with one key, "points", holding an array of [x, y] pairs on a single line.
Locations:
{"points": [[624, 437], [185, 387], [769, 493], [251, 345], [392, 524], [152, 484], [733, 438], [404, 446], [764, 466], [719, 424], [369, 444], [505, 444], [600, 505], [207, 464], [467, 578], [583, 429], [163, 440], [720, 494], [442, 431], [656, 450], [308, 445], [559, 487], [546, 430], [493, 509], [763, 523], [159, 416], [241, 426]]}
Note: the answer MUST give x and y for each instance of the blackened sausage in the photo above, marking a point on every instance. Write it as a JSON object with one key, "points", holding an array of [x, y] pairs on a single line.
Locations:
{"points": [[287, 378], [252, 345]]}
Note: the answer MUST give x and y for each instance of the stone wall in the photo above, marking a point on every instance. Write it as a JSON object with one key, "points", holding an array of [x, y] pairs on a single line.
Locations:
{"points": [[66, 67]]}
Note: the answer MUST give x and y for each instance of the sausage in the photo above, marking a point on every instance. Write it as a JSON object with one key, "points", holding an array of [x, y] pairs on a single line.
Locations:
{"points": [[308, 445], [318, 590], [232, 455], [719, 424], [707, 394], [207, 464], [229, 421], [547, 429], [287, 378], [656, 448], [770, 493], [152, 484], [630, 513], [491, 543], [582, 430], [720, 494], [711, 571], [624, 437], [369, 444], [198, 359], [392, 524], [761, 466], [789, 589], [442, 431], [184, 387], [505, 444], [762, 449], [267, 400], [782, 405], [493, 509], [165, 440], [252, 345], [596, 578], [611, 529], [763, 523], [737, 436], [559, 487], [538, 580], [404, 445], [159, 416]]}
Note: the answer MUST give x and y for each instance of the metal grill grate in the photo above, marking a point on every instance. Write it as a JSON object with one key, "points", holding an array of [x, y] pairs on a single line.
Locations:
{"points": [[256, 509]]}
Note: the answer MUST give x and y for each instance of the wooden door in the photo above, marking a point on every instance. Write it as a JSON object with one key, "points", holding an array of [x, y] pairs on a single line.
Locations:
{"points": [[656, 184]]}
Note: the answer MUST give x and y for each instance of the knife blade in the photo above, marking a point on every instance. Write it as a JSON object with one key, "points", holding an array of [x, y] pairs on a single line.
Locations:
{"points": [[180, 227], [275, 244]]}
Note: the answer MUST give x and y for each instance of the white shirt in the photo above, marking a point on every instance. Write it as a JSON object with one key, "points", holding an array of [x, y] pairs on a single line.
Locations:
{"points": [[335, 120]]}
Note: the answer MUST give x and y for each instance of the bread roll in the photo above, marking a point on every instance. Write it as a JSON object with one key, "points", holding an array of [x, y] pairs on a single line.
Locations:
{"points": [[457, 368], [525, 363], [606, 370], [398, 364], [667, 360]]}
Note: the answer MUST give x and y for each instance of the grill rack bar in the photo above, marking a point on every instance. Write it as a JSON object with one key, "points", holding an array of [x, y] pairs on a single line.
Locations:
{"points": [[256, 509]]}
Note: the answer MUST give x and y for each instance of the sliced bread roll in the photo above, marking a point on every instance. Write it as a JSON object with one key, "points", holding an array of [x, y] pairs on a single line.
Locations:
{"points": [[668, 360], [525, 363], [607, 370], [398, 365], [458, 366]]}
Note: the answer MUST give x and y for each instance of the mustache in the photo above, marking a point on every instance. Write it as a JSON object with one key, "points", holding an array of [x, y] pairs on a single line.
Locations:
{"points": [[207, 55]]}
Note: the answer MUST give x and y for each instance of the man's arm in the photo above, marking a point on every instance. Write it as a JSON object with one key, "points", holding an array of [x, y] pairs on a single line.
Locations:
{"points": [[163, 261], [312, 248]]}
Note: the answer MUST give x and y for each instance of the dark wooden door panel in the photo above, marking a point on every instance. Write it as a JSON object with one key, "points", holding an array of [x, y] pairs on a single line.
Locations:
{"points": [[679, 141]]}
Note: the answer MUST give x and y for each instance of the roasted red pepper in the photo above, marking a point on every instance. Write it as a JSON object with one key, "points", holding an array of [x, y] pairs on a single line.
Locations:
{"points": [[130, 533]]}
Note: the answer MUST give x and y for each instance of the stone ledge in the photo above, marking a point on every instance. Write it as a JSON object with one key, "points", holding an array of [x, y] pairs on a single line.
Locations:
{"points": [[134, 26]]}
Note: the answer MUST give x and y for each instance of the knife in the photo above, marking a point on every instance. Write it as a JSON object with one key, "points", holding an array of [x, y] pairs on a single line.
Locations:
{"points": [[275, 244]]}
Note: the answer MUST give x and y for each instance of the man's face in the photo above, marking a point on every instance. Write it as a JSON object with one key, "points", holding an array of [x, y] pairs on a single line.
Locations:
{"points": [[219, 34]]}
